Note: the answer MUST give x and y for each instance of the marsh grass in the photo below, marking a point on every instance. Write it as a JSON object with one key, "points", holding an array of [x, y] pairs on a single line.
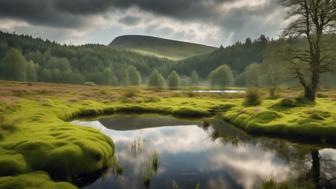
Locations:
{"points": [[136, 145], [155, 161], [117, 170], [151, 168]]}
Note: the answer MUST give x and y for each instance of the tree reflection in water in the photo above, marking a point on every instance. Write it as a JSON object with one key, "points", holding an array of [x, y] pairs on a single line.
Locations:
{"points": [[321, 171]]}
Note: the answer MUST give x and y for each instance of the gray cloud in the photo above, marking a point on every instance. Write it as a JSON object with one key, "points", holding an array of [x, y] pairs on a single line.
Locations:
{"points": [[130, 20], [241, 18]]}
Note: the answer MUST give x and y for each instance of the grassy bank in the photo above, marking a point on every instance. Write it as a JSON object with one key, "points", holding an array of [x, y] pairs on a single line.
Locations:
{"points": [[298, 120], [35, 134]]}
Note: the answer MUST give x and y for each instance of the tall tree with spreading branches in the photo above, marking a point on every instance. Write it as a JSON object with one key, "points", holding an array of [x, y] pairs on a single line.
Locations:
{"points": [[312, 20]]}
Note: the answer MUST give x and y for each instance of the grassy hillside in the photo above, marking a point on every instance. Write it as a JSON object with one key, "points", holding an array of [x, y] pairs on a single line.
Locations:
{"points": [[160, 47]]}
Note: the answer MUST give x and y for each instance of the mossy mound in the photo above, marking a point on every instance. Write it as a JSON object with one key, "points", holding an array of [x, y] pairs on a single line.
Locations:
{"points": [[266, 116], [64, 151], [34, 180], [12, 163]]}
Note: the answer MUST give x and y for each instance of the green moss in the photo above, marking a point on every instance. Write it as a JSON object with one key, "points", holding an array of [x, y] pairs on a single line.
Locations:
{"points": [[12, 163], [34, 180], [309, 121], [266, 116]]}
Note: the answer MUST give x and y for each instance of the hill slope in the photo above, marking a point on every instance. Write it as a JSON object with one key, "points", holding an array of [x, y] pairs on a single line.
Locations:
{"points": [[172, 49]]}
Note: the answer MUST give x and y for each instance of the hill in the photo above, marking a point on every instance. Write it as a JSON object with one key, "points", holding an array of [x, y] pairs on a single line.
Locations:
{"points": [[172, 49]]}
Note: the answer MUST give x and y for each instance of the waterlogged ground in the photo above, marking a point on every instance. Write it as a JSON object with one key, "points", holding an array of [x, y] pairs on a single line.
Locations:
{"points": [[208, 155]]}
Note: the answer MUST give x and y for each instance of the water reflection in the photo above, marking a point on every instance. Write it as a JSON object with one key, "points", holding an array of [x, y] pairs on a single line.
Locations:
{"points": [[219, 156]]}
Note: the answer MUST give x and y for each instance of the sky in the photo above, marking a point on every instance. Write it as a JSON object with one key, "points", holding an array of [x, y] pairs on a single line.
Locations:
{"points": [[210, 22]]}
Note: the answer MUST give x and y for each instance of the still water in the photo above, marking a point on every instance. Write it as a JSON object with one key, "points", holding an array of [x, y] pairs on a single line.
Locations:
{"points": [[155, 151]]}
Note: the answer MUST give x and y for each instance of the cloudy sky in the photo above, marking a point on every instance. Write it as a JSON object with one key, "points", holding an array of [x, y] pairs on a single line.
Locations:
{"points": [[211, 22]]}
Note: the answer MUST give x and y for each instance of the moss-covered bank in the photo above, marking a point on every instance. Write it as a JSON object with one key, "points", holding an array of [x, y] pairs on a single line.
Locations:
{"points": [[315, 122]]}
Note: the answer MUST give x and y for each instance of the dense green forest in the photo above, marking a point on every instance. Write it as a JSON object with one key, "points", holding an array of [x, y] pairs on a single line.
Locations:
{"points": [[250, 63], [237, 56], [24, 58]]}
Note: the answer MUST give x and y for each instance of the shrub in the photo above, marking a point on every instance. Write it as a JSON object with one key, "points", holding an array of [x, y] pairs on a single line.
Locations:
{"points": [[288, 102], [252, 97], [130, 92]]}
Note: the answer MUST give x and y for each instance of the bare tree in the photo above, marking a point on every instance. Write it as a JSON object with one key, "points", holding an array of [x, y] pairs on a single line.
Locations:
{"points": [[311, 19]]}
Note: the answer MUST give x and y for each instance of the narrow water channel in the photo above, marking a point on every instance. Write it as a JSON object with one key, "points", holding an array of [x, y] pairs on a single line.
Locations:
{"points": [[155, 151]]}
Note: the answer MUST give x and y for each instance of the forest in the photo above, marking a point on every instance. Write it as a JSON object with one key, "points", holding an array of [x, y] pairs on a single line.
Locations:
{"points": [[24, 58]]}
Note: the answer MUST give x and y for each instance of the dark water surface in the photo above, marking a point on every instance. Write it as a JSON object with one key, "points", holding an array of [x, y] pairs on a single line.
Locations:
{"points": [[213, 156]]}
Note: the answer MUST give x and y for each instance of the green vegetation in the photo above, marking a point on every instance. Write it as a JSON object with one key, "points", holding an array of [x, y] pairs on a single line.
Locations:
{"points": [[156, 80], [160, 47], [155, 161], [272, 184], [237, 56], [221, 77], [133, 76], [194, 78], [24, 58], [34, 180], [173, 80], [252, 97]]}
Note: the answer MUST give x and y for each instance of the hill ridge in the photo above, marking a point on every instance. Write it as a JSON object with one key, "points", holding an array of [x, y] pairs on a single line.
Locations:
{"points": [[169, 48]]}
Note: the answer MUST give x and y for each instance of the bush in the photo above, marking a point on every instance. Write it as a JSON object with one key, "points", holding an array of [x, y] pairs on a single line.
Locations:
{"points": [[130, 92], [252, 97], [288, 102]]}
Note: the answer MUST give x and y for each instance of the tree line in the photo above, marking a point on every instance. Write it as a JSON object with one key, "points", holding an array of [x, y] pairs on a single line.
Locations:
{"points": [[253, 63]]}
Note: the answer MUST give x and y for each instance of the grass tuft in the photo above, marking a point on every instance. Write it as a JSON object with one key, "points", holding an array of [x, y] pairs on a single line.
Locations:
{"points": [[252, 97]]}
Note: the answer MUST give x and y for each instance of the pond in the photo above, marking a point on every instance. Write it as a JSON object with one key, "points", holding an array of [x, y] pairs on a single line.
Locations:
{"points": [[155, 151]]}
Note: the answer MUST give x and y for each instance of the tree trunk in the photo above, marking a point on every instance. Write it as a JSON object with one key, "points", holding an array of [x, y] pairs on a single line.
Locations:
{"points": [[310, 93]]}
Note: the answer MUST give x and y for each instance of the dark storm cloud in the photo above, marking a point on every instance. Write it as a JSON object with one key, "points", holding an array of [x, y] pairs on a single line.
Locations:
{"points": [[40, 12], [67, 13]]}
